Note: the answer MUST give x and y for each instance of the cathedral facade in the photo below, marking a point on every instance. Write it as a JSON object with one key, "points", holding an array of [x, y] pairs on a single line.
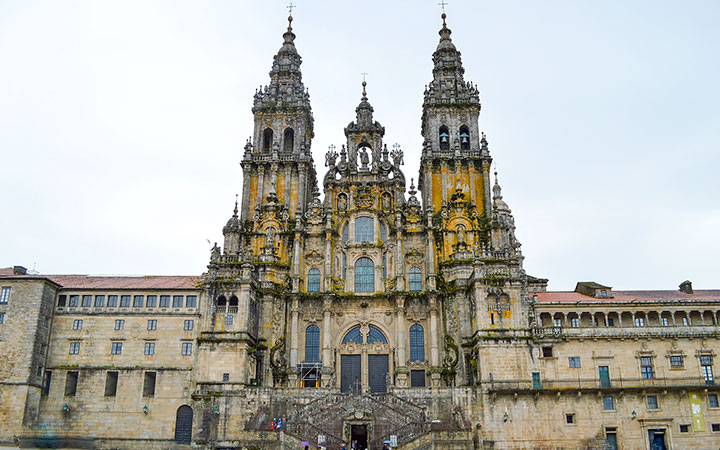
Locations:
{"points": [[387, 311]]}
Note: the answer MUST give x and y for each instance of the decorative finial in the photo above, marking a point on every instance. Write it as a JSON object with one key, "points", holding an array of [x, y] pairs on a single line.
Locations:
{"points": [[236, 203], [364, 83]]}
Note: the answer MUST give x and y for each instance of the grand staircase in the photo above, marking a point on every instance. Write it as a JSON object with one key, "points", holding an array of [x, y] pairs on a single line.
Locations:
{"points": [[384, 414]]}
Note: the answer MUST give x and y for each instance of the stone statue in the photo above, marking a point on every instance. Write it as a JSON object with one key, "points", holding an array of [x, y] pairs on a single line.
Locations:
{"points": [[364, 157], [385, 201], [269, 241], [342, 202]]}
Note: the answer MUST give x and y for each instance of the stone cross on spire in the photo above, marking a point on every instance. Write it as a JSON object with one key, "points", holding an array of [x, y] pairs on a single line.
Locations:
{"points": [[290, 7]]}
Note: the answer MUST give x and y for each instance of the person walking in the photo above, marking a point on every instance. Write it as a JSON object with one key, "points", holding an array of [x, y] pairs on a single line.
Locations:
{"points": [[343, 446]]}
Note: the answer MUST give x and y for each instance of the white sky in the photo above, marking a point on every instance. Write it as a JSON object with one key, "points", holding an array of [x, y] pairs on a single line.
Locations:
{"points": [[122, 123]]}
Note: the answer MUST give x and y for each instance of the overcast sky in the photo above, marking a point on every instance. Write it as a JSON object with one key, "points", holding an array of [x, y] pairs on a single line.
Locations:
{"points": [[122, 124]]}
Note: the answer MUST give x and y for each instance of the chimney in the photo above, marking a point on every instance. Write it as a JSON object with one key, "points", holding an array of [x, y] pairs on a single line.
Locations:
{"points": [[19, 270], [686, 287]]}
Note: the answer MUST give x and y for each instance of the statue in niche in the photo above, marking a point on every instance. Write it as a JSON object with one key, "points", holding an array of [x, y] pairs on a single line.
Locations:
{"points": [[386, 202], [364, 157], [342, 202], [269, 241], [460, 234]]}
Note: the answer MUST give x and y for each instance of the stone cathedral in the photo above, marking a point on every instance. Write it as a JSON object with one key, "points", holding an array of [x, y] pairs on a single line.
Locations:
{"points": [[388, 312]]}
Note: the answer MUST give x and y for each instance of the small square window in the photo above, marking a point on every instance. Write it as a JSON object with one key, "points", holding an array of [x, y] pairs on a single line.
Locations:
{"points": [[86, 301], [664, 321], [610, 322], [151, 301], [639, 321], [676, 361], [608, 403], [652, 402], [226, 377], [177, 301], [575, 322], [62, 299], [557, 322], [684, 428], [74, 300], [112, 301], [547, 352], [191, 301], [149, 348], [138, 301], [119, 324], [574, 362], [186, 349], [229, 319], [152, 324], [2, 318], [124, 301], [4, 295], [99, 301], [164, 301], [74, 348], [713, 401], [716, 427], [570, 418], [77, 324], [116, 348], [189, 325]]}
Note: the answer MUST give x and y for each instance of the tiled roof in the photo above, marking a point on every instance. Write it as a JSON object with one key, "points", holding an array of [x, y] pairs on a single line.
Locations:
{"points": [[630, 296], [114, 282]]}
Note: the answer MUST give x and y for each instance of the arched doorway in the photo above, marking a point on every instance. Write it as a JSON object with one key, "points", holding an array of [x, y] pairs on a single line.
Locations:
{"points": [[183, 425]]}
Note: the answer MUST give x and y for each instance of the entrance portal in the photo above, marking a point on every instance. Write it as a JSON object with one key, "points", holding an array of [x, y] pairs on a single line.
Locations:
{"points": [[358, 435], [377, 373], [350, 373], [657, 439]]}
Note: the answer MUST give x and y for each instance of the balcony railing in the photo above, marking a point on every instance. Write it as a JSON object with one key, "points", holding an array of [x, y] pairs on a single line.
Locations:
{"points": [[511, 386], [601, 331]]}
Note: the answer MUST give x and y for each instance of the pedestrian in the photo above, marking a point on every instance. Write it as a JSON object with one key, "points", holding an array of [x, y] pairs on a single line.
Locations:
{"points": [[16, 440], [343, 446]]}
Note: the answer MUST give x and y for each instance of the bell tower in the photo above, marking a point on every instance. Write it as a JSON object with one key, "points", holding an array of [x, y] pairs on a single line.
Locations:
{"points": [[455, 154]]}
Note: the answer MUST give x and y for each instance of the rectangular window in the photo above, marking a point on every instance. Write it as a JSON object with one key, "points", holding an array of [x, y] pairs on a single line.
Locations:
{"points": [[575, 322], [189, 325], [536, 383], [652, 402], [86, 301], [186, 348], [2, 318], [149, 348], [639, 321], [706, 367], [608, 403], [120, 324], [684, 428], [46, 384], [713, 401], [547, 352], [149, 384], [61, 300], [664, 321], [112, 301], [229, 319], [676, 361], [74, 300], [574, 362], [344, 265], [4, 295], [116, 348], [111, 383], [715, 427], [177, 301], [152, 324], [611, 322], [364, 229], [557, 322], [686, 321], [570, 418], [99, 301], [71, 381], [191, 301], [646, 367], [138, 301], [124, 301], [226, 377], [164, 301], [74, 348], [77, 324], [151, 301], [417, 378]]}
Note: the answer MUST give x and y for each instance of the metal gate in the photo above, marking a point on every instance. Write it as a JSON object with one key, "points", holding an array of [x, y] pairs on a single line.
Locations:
{"points": [[183, 425], [377, 372], [350, 373]]}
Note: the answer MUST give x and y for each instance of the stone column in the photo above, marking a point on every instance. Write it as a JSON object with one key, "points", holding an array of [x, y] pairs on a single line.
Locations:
{"points": [[294, 312], [327, 275], [287, 185], [247, 169], [327, 305], [471, 171], [428, 191], [401, 356], [430, 263], [434, 350], [260, 186], [302, 189], [487, 207], [399, 253]]}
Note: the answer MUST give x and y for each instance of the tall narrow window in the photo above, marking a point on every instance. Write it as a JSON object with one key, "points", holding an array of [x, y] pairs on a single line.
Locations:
{"points": [[186, 349], [71, 381], [111, 383], [313, 280], [149, 384], [267, 140], [646, 367], [152, 324], [149, 348], [74, 348], [312, 344], [364, 229], [344, 266], [383, 232], [464, 138], [707, 370], [346, 234], [288, 140], [4, 295], [417, 343], [385, 265], [415, 278], [444, 137], [364, 275]]}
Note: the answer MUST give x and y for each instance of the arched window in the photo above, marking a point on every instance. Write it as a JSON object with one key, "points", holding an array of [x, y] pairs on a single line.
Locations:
{"points": [[221, 301], [288, 140], [346, 234], [353, 335], [415, 279], [464, 138], [364, 229], [233, 301], [313, 280], [312, 344], [364, 275], [444, 136], [383, 232], [417, 343], [376, 335], [267, 140]]}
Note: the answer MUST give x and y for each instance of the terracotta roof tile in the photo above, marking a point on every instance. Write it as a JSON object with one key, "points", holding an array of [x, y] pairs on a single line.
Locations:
{"points": [[630, 296], [112, 282]]}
